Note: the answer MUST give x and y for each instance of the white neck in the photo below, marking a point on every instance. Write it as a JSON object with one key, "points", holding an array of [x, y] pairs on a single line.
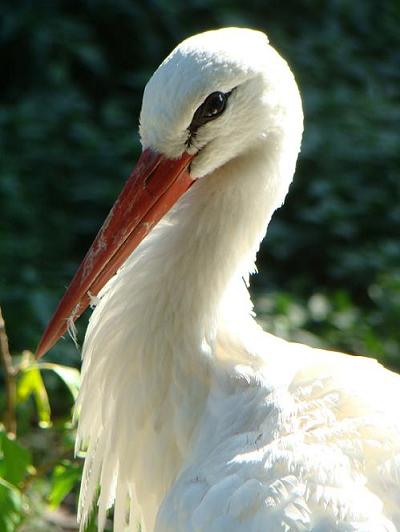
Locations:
{"points": [[160, 318]]}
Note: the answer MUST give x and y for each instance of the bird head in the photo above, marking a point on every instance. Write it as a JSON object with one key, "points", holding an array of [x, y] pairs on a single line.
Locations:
{"points": [[215, 96], [218, 95]]}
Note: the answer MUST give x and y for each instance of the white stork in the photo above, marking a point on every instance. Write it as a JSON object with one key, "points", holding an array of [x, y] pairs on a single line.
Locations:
{"points": [[192, 417]]}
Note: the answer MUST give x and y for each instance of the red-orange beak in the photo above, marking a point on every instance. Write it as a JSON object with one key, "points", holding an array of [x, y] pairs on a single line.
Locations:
{"points": [[155, 184]]}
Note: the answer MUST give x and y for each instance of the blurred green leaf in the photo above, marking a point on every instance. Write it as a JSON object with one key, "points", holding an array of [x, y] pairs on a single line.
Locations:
{"points": [[65, 477], [30, 383], [11, 507], [15, 460], [70, 376]]}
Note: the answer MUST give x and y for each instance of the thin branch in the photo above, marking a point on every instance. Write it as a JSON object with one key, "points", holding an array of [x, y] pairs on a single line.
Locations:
{"points": [[10, 421]]}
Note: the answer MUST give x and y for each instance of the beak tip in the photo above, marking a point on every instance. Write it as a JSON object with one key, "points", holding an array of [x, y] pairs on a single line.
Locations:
{"points": [[41, 349], [48, 340]]}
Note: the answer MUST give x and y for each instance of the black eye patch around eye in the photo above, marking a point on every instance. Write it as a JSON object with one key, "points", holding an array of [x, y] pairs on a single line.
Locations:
{"points": [[212, 107]]}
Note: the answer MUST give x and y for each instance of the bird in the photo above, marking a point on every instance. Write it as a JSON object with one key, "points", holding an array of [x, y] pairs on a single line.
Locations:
{"points": [[191, 417]]}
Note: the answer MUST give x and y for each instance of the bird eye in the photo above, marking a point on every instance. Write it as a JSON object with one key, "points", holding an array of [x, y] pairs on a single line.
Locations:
{"points": [[212, 107]]}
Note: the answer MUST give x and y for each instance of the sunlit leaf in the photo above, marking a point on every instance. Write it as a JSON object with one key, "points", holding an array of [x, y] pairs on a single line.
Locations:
{"points": [[15, 460], [31, 383], [65, 476], [11, 506], [70, 376]]}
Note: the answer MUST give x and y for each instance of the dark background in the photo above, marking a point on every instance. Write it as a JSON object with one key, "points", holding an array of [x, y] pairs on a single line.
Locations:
{"points": [[72, 76]]}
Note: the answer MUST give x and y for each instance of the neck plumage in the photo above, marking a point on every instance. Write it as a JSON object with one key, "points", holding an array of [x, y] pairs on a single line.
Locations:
{"points": [[150, 345]]}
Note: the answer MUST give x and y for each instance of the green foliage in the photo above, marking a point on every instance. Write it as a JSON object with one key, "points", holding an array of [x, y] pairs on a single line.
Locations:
{"points": [[15, 460], [334, 321], [65, 476], [31, 383], [11, 506], [20, 472]]}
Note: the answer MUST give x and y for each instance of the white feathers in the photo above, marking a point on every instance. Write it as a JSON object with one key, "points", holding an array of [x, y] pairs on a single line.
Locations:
{"points": [[193, 418], [293, 452]]}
